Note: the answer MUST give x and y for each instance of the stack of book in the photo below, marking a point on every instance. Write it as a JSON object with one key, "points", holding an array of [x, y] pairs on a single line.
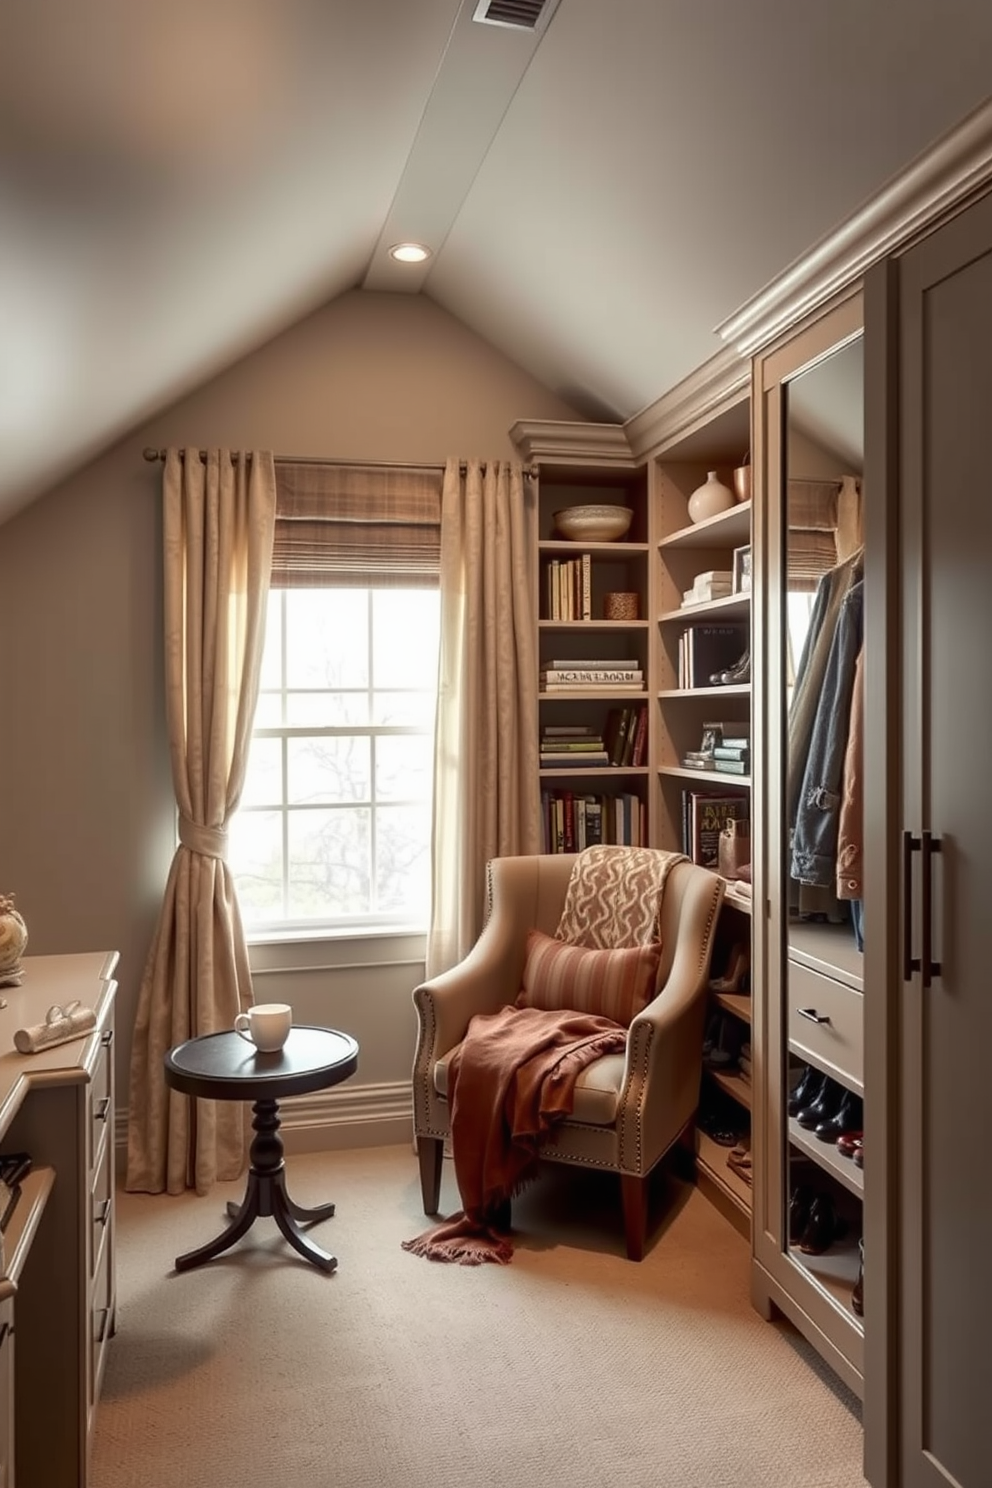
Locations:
{"points": [[725, 747], [625, 736], [578, 677], [570, 748], [716, 583], [573, 821]]}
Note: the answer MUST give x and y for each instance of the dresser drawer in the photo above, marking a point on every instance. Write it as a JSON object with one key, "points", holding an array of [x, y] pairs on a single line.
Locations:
{"points": [[101, 1099], [101, 1323], [101, 1208], [825, 1024]]}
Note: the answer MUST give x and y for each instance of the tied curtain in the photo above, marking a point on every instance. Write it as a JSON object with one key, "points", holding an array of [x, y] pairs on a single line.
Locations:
{"points": [[486, 743], [218, 524]]}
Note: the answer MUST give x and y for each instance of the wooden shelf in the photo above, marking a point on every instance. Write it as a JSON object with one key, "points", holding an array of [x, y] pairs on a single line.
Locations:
{"points": [[834, 1273], [23, 1223], [711, 1159], [586, 694], [737, 689], [729, 529], [587, 625], [738, 1003], [606, 772], [732, 1083], [731, 604], [705, 777], [601, 549], [736, 899], [826, 1156]]}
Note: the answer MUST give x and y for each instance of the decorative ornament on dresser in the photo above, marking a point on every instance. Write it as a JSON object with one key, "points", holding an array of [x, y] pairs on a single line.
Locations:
{"points": [[710, 499], [13, 943]]}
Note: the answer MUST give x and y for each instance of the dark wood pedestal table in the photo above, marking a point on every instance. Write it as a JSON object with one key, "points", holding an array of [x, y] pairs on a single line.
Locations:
{"points": [[224, 1066]]}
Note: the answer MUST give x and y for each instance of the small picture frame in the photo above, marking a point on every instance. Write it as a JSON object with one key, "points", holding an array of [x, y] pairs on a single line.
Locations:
{"points": [[742, 570]]}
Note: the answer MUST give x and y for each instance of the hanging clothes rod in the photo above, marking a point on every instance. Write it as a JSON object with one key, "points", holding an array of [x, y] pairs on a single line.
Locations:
{"points": [[530, 471]]}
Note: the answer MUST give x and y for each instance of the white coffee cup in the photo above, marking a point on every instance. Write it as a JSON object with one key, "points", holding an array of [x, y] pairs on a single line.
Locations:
{"points": [[266, 1025]]}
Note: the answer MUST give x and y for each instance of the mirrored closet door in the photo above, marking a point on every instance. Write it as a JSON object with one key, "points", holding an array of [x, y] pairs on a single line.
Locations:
{"points": [[809, 710]]}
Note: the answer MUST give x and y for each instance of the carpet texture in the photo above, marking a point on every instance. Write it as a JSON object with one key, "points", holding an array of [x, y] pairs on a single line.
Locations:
{"points": [[570, 1366]]}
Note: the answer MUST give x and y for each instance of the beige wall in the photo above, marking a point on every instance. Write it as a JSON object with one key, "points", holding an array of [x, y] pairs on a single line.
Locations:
{"points": [[86, 810]]}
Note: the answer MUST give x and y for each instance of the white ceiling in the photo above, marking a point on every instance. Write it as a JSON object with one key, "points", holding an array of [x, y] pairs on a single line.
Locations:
{"points": [[180, 179]]}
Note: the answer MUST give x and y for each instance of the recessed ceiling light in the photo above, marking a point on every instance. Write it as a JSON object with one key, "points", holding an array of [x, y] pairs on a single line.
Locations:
{"points": [[409, 252]]}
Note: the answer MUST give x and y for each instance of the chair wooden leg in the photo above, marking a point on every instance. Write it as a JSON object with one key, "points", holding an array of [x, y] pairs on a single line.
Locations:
{"points": [[635, 1214], [430, 1155]]}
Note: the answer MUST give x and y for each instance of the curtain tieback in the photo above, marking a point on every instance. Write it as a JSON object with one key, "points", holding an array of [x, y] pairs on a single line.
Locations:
{"points": [[210, 841]]}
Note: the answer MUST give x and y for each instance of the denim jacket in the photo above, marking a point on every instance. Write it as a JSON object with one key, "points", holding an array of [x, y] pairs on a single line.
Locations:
{"points": [[814, 841]]}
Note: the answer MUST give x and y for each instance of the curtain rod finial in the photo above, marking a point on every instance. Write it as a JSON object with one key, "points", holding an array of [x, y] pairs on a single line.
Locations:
{"points": [[151, 454]]}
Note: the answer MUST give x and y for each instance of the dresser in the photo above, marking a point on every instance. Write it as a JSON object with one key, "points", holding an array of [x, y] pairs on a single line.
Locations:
{"points": [[57, 1287]]}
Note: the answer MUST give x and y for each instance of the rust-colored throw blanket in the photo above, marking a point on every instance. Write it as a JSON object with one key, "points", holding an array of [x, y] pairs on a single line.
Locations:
{"points": [[512, 1077]]}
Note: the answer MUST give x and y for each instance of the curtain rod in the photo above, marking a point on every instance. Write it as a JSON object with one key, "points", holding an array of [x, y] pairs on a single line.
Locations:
{"points": [[529, 470]]}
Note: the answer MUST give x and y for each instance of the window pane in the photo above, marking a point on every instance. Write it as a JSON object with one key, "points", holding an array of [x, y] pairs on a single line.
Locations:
{"points": [[327, 709], [271, 674], [328, 770], [409, 709], [268, 712], [263, 777], [405, 637], [255, 847], [327, 638], [329, 864], [403, 865], [403, 768]]}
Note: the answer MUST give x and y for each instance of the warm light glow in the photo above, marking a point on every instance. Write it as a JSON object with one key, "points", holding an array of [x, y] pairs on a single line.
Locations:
{"points": [[409, 252]]}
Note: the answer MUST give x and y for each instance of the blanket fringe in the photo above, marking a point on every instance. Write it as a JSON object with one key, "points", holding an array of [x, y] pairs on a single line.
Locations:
{"points": [[461, 1240]]}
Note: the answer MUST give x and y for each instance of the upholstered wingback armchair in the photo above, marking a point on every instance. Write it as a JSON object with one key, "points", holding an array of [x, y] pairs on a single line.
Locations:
{"points": [[630, 1108]]}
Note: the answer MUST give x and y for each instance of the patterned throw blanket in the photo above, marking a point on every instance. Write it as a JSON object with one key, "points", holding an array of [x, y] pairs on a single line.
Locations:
{"points": [[513, 1075]]}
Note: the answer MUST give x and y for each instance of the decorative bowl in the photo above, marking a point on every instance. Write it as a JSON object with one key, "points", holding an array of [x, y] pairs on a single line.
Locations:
{"points": [[593, 523]]}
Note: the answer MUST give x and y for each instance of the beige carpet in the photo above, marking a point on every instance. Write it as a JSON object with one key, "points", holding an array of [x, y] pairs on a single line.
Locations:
{"points": [[571, 1367]]}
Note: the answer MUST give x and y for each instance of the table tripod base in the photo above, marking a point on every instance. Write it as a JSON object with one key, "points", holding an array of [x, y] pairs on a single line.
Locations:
{"points": [[266, 1196]]}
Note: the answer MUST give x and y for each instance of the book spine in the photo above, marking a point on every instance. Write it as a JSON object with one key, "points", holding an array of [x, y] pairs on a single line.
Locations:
{"points": [[587, 586], [589, 674]]}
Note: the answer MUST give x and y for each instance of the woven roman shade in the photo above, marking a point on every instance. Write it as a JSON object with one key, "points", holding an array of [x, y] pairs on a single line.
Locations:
{"points": [[812, 532], [356, 526]]}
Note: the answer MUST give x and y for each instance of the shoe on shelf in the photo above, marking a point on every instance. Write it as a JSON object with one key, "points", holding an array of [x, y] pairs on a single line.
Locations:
{"points": [[723, 1054], [712, 1032], [822, 1228], [740, 672], [859, 1154], [822, 1106], [799, 1207], [738, 964], [849, 1142], [808, 1089], [848, 1117]]}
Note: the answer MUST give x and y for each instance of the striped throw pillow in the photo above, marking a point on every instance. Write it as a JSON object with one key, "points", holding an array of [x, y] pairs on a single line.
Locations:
{"points": [[614, 984]]}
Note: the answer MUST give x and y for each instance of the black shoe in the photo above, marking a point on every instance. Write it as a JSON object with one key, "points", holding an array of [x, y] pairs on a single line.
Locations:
{"points": [[858, 1294], [809, 1087], [821, 1227], [799, 1207], [739, 672], [824, 1108], [848, 1117]]}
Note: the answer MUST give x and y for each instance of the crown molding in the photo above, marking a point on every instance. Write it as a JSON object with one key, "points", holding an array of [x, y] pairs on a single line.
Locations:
{"points": [[722, 380], [938, 181], [561, 442]]}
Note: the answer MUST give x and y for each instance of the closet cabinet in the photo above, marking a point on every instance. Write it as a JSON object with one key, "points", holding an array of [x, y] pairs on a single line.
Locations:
{"points": [[929, 820]]}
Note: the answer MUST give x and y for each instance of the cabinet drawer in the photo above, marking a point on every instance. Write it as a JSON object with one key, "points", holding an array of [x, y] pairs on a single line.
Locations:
{"points": [[101, 1208], [101, 1323], [825, 1023], [101, 1098]]}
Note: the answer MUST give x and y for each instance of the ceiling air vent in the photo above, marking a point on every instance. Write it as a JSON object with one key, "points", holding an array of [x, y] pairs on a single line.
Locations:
{"points": [[522, 15]]}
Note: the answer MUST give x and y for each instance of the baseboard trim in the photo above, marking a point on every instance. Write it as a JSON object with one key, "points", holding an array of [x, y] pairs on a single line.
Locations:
{"points": [[329, 1120]]}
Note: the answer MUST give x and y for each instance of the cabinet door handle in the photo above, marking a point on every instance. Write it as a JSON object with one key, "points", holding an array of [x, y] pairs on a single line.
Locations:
{"points": [[101, 1331], [910, 963], [102, 1216], [813, 1015], [930, 967], [107, 1037], [102, 1110]]}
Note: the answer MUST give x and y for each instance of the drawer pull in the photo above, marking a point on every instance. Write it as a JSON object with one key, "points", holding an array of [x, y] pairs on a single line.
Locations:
{"points": [[5, 1330], [107, 1037], [103, 1213], [102, 1111], [101, 1332], [812, 1015]]}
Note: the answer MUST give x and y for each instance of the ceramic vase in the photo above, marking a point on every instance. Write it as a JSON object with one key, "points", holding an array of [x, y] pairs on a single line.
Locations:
{"points": [[709, 499], [13, 941]]}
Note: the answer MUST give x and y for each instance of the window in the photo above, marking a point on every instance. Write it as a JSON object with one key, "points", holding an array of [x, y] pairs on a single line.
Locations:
{"points": [[333, 830], [334, 826]]}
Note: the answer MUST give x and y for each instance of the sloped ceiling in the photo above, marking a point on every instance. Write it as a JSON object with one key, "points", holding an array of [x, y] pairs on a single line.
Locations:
{"points": [[179, 180]]}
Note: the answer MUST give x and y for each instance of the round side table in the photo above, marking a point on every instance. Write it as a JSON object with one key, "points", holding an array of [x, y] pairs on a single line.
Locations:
{"points": [[224, 1066]]}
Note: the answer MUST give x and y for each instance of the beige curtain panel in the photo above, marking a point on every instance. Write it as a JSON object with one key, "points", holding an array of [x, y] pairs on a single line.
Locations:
{"points": [[356, 525], [218, 517], [486, 747]]}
